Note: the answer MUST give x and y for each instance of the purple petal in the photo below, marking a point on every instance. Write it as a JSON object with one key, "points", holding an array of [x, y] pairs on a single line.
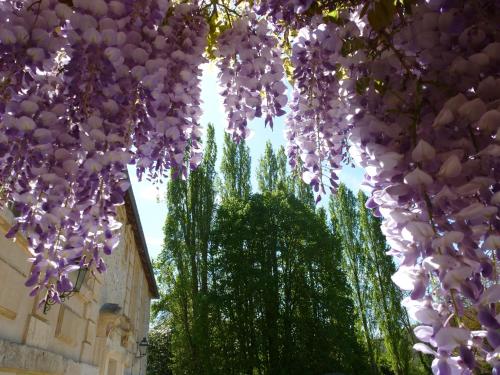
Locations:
{"points": [[467, 356], [12, 231], [443, 367], [493, 338], [487, 319]]}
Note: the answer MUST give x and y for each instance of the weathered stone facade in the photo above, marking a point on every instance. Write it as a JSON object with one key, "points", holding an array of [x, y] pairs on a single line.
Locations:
{"points": [[96, 331]]}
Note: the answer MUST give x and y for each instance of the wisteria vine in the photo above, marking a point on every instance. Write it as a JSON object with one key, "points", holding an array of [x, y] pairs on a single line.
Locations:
{"points": [[251, 74], [423, 121], [412, 95]]}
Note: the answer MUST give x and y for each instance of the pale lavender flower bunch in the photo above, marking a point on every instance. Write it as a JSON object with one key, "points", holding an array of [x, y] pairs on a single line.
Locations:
{"points": [[171, 85], [34, 139], [69, 102], [426, 130], [430, 147], [251, 74], [317, 126]]}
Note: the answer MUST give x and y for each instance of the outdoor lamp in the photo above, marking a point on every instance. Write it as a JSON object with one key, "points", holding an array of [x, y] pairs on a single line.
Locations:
{"points": [[142, 347], [80, 278], [77, 285]]}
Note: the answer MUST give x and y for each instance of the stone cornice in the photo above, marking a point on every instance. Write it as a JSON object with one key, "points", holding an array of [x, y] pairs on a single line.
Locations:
{"points": [[135, 222]]}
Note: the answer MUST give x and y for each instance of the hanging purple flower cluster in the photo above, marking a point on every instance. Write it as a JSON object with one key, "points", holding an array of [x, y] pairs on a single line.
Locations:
{"points": [[422, 117], [75, 98], [88, 89], [426, 130], [251, 74], [283, 10], [38, 144], [170, 83], [316, 127]]}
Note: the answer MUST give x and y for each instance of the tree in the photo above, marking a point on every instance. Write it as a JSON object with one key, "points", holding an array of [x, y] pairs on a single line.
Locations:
{"points": [[384, 324], [267, 173], [388, 314], [235, 168], [185, 259], [286, 306], [232, 273], [344, 218], [392, 320], [277, 300], [159, 356]]}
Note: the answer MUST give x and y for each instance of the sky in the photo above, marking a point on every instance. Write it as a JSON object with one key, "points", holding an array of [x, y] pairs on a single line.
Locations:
{"points": [[150, 199]]}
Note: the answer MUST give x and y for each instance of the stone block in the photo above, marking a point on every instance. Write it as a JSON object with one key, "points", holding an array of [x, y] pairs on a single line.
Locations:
{"points": [[39, 332], [19, 241], [72, 368], [15, 256], [87, 353], [86, 294], [76, 303], [68, 326], [91, 332], [26, 359], [86, 369], [10, 297], [21, 359], [91, 311]]}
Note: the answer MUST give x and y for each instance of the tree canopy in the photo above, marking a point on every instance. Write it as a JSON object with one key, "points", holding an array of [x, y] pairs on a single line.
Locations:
{"points": [[269, 294]]}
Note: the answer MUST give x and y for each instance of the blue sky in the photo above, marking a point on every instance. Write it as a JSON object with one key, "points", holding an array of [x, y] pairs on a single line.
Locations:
{"points": [[150, 199]]}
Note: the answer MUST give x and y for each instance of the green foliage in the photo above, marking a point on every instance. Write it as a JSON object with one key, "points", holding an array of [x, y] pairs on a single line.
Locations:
{"points": [[235, 169], [383, 324], [220, 15], [159, 355], [267, 173], [381, 14], [261, 284], [286, 306], [183, 263]]}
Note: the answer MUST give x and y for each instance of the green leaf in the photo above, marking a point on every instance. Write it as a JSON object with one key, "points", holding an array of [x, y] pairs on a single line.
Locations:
{"points": [[352, 45], [381, 15], [362, 85], [332, 16]]}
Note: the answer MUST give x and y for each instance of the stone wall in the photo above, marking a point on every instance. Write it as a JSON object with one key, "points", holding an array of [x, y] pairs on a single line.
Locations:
{"points": [[94, 332]]}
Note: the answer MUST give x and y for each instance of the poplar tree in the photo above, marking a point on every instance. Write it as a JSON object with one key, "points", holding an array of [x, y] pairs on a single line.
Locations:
{"points": [[391, 318], [233, 310], [387, 312], [190, 206], [344, 219], [267, 171], [382, 322], [236, 169]]}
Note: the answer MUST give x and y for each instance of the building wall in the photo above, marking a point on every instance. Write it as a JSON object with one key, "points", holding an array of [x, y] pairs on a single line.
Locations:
{"points": [[80, 336]]}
